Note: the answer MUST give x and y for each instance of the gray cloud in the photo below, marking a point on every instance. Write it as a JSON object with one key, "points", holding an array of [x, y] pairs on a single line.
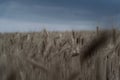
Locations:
{"points": [[103, 7], [10, 25], [72, 14]]}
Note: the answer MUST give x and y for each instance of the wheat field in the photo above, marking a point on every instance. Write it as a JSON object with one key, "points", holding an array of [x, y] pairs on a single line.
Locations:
{"points": [[69, 55]]}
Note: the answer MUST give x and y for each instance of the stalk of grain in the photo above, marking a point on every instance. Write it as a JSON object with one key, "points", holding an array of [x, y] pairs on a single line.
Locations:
{"points": [[114, 35], [97, 29]]}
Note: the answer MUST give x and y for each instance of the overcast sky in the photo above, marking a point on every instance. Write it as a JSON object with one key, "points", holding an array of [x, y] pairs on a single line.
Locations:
{"points": [[34, 15]]}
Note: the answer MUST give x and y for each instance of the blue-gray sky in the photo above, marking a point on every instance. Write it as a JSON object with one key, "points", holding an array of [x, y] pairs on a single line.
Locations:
{"points": [[34, 15]]}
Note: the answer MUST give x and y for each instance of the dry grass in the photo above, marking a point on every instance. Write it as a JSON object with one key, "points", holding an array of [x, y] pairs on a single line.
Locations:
{"points": [[59, 56]]}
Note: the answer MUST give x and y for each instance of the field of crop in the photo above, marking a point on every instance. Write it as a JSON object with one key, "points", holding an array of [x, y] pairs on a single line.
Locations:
{"points": [[70, 55]]}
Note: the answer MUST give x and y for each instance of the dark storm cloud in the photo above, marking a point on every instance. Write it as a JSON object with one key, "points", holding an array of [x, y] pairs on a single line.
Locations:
{"points": [[69, 14], [100, 7]]}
